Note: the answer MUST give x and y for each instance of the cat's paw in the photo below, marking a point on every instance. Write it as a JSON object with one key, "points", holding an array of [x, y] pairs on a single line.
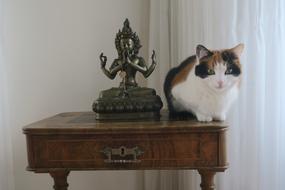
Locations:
{"points": [[204, 118], [220, 117]]}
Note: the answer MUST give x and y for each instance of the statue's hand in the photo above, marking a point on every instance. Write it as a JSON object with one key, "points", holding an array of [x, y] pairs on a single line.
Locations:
{"points": [[153, 56], [126, 58], [103, 60]]}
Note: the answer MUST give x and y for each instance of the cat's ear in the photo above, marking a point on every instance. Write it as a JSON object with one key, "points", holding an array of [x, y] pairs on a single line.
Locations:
{"points": [[201, 52], [238, 49]]}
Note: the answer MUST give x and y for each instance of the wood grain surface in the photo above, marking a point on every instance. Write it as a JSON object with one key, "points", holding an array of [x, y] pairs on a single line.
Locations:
{"points": [[76, 141]]}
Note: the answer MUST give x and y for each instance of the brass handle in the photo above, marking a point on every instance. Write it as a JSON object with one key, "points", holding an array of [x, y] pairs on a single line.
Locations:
{"points": [[122, 154]]}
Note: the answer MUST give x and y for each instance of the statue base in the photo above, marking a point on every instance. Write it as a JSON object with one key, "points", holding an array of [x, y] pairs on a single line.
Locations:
{"points": [[125, 104]]}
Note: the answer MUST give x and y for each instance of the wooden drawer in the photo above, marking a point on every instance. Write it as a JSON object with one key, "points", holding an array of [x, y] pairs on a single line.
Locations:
{"points": [[156, 151]]}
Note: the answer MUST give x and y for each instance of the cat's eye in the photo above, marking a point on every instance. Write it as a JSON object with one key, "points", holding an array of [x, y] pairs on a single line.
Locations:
{"points": [[229, 71], [211, 72]]}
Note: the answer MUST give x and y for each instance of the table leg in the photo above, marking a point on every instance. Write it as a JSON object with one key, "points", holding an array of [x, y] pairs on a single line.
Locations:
{"points": [[60, 179], [207, 179]]}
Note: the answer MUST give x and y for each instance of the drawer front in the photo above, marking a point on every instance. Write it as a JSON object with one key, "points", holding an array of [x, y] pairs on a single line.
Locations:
{"points": [[146, 151]]}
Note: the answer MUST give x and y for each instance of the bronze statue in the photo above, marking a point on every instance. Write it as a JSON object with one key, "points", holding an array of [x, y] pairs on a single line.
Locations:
{"points": [[128, 62], [128, 101]]}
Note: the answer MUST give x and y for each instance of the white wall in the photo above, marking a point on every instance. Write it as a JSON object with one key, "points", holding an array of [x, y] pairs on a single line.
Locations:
{"points": [[51, 49]]}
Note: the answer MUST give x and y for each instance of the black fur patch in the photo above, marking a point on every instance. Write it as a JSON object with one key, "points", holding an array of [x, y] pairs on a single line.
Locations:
{"points": [[235, 70], [229, 57], [201, 70]]}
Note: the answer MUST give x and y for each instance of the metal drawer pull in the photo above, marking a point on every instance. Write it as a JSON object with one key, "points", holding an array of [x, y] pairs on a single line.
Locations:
{"points": [[122, 154]]}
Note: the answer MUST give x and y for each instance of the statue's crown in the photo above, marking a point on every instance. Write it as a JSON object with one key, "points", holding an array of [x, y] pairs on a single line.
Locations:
{"points": [[128, 33]]}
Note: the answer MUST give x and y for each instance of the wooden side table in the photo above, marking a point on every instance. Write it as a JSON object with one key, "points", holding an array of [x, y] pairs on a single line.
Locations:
{"points": [[76, 141]]}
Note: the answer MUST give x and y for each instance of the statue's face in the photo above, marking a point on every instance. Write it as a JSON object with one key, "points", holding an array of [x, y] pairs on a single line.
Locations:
{"points": [[127, 44]]}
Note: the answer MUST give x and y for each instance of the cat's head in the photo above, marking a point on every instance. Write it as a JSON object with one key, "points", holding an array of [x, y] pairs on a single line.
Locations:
{"points": [[220, 70]]}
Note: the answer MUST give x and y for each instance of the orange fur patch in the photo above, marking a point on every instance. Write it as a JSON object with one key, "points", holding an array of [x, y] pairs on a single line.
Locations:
{"points": [[182, 76], [214, 59]]}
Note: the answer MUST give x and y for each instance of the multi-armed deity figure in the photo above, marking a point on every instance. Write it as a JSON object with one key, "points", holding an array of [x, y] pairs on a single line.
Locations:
{"points": [[128, 62], [128, 100]]}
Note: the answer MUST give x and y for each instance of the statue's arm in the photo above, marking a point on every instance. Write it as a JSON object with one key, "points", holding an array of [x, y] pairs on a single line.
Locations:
{"points": [[108, 73], [139, 65], [153, 64], [149, 70], [112, 72]]}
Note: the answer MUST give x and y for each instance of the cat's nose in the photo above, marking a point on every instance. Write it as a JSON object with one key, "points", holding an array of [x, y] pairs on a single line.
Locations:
{"points": [[220, 83]]}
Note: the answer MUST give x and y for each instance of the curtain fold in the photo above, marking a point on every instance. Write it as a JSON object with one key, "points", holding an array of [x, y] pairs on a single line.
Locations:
{"points": [[256, 138], [6, 163]]}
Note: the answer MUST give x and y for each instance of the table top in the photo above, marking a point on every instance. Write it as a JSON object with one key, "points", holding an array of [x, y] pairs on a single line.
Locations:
{"points": [[85, 122]]}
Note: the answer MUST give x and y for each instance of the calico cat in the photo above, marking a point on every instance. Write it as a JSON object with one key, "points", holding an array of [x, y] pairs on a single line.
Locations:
{"points": [[205, 84]]}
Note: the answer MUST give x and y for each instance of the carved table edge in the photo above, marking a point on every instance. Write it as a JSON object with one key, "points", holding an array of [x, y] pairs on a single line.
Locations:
{"points": [[63, 131], [47, 170]]}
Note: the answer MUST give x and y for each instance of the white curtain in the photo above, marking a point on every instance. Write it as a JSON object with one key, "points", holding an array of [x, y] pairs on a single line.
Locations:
{"points": [[6, 169], [256, 138]]}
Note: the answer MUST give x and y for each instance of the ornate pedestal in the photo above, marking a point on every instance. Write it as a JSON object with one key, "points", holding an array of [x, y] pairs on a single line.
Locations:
{"points": [[132, 103]]}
